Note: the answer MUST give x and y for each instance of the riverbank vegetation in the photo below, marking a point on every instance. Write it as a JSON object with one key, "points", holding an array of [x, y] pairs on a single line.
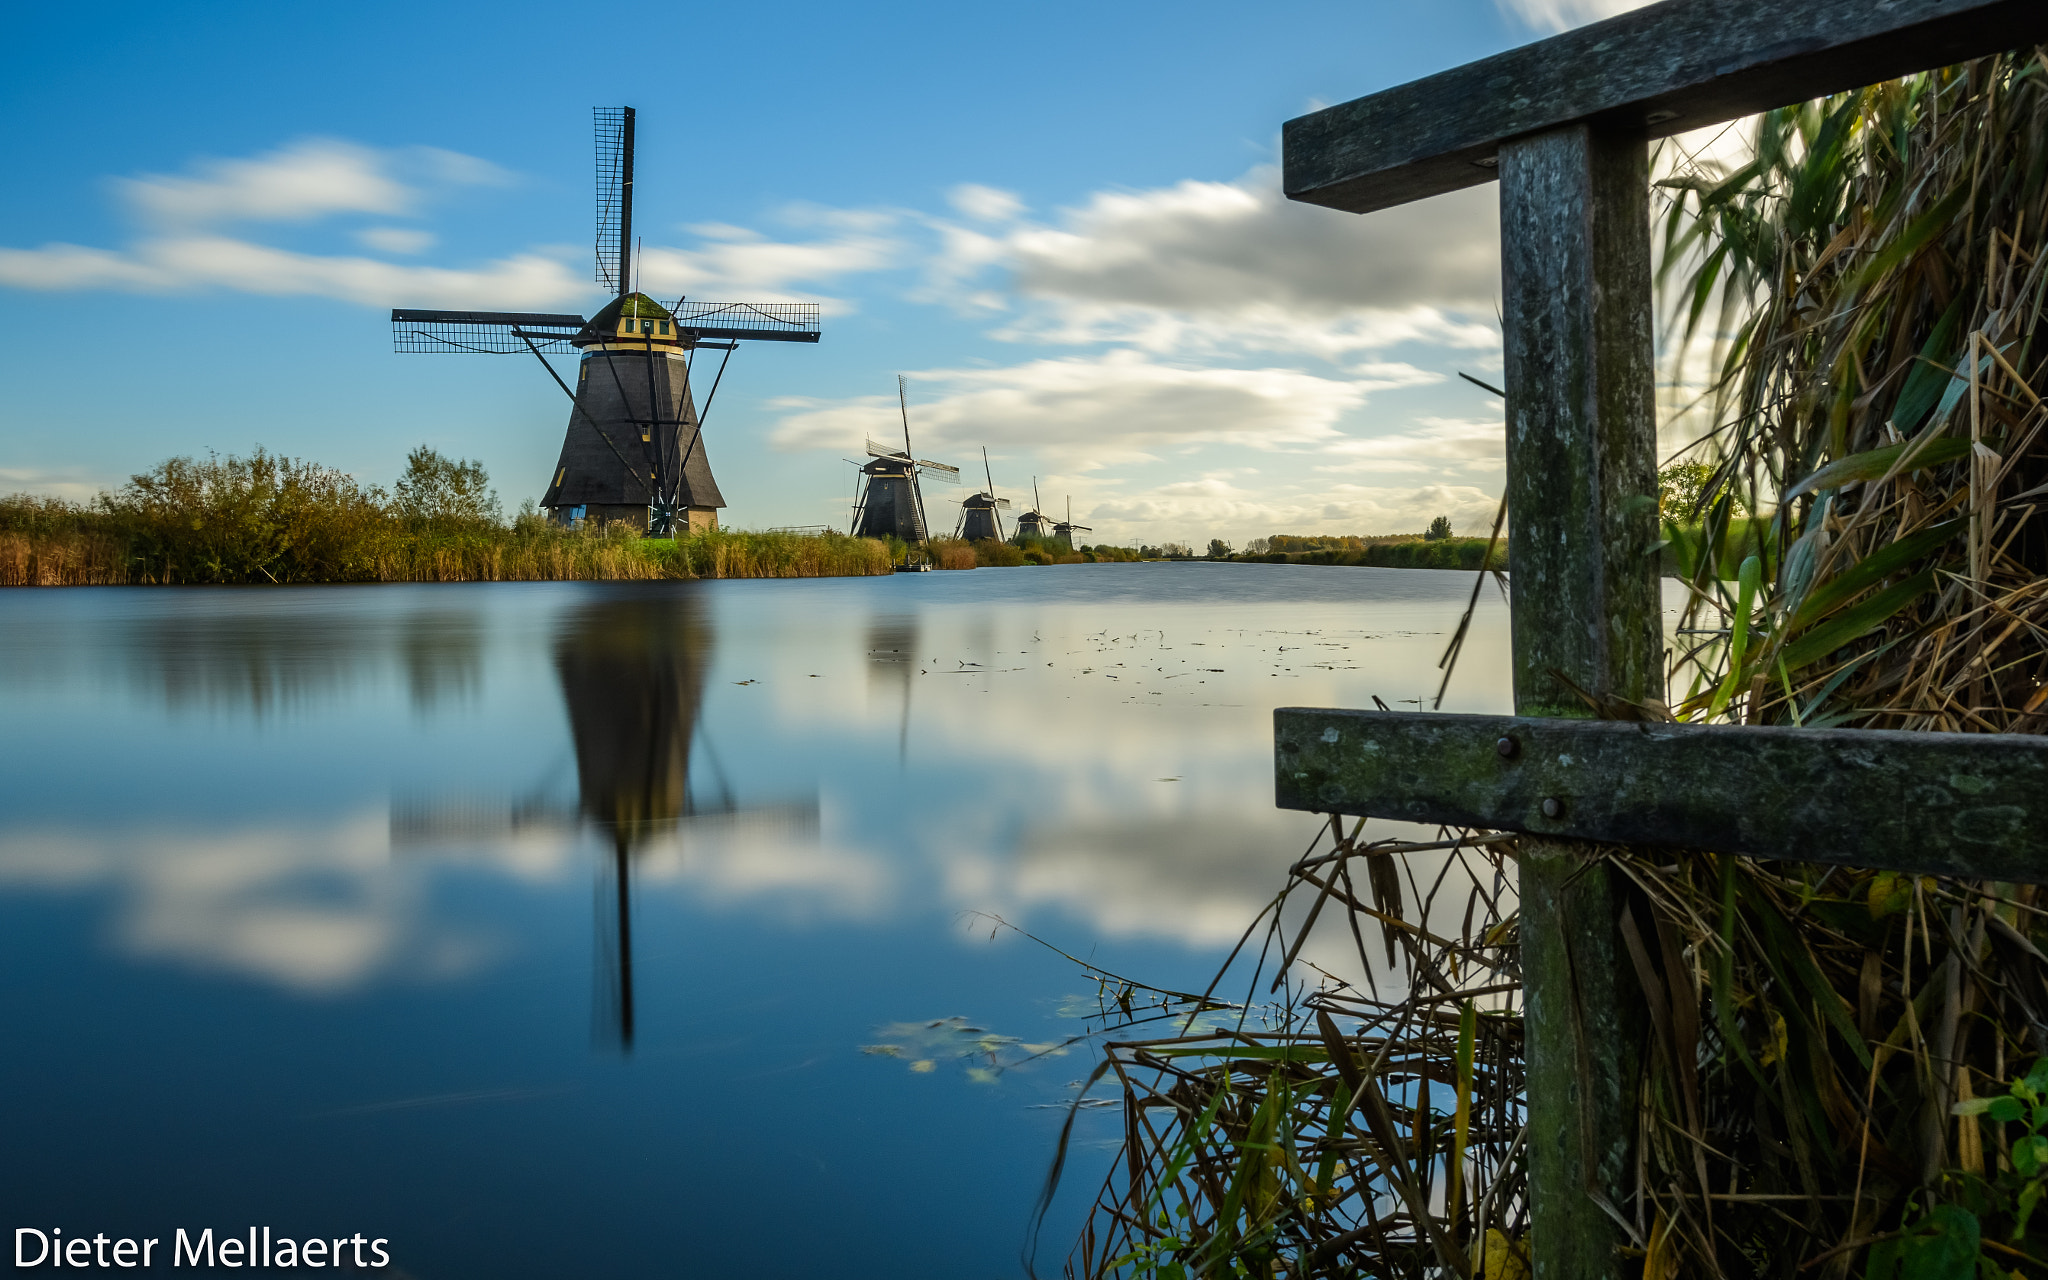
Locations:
{"points": [[1395, 551], [268, 518], [1843, 1071]]}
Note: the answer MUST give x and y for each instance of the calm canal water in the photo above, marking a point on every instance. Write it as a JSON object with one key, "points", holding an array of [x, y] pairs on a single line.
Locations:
{"points": [[550, 930]]}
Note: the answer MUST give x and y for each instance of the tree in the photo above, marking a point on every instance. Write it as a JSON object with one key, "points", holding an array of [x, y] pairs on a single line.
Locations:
{"points": [[441, 491], [1258, 546], [1682, 490], [1439, 529], [1219, 549]]}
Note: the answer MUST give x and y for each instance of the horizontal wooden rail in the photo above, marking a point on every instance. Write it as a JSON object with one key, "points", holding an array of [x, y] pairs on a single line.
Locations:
{"points": [[1969, 805], [1652, 72]]}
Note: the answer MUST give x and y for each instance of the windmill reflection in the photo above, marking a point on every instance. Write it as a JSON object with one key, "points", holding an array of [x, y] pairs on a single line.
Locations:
{"points": [[632, 672], [892, 661]]}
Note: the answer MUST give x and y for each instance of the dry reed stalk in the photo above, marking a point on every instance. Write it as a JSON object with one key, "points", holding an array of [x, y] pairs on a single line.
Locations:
{"points": [[1848, 1070]]}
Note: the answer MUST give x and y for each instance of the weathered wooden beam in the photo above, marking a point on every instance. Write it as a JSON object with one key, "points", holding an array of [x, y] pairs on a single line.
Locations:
{"points": [[1656, 71], [1581, 419], [1581, 472], [1955, 804]]}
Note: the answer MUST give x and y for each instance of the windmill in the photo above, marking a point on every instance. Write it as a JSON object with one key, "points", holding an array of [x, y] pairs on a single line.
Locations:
{"points": [[981, 514], [1034, 523], [633, 450], [1066, 528], [889, 503]]}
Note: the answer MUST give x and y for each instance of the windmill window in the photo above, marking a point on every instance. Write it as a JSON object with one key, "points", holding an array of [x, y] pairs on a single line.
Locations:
{"points": [[664, 327], [647, 326]]}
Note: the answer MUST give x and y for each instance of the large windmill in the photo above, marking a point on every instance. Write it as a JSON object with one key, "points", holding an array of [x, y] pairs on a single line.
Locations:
{"points": [[981, 514], [1034, 523], [889, 503], [1067, 528], [633, 450]]}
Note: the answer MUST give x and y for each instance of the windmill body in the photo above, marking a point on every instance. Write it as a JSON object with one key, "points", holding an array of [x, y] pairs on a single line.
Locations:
{"points": [[1033, 523], [889, 503], [1066, 529], [633, 451], [981, 515], [632, 399]]}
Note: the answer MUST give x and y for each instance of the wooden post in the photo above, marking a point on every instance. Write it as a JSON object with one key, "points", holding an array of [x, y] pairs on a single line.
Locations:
{"points": [[1563, 124], [1581, 464]]}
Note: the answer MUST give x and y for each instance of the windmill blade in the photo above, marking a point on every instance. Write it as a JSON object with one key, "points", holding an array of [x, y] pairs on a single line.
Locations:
{"points": [[481, 332], [939, 471], [614, 196], [876, 449], [419, 822], [1081, 528], [774, 321]]}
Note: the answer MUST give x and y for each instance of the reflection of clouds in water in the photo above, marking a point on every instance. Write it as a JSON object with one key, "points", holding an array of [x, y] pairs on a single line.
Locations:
{"points": [[1195, 880], [798, 880], [313, 909]]}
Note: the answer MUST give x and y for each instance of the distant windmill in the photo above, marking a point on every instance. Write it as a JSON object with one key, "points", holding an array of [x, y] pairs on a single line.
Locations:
{"points": [[981, 514], [633, 451], [889, 502], [1034, 523], [1067, 528]]}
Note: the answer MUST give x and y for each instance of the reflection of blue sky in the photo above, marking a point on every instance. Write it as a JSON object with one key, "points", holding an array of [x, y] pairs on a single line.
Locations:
{"points": [[197, 795]]}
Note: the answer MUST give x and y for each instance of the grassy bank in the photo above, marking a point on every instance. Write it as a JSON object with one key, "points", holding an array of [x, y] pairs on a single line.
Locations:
{"points": [[269, 519]]}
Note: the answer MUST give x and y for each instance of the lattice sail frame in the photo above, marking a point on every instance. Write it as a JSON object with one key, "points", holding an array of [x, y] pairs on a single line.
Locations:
{"points": [[612, 176]]}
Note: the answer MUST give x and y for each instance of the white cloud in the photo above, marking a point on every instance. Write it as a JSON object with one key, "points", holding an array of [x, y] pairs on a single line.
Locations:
{"points": [[196, 263], [396, 239], [314, 178], [1434, 444], [1561, 15], [1206, 267], [731, 261], [1205, 247], [1117, 407], [985, 204], [184, 248]]}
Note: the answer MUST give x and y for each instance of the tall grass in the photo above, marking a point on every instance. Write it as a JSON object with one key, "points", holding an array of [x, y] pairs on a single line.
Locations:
{"points": [[273, 519], [1846, 1071]]}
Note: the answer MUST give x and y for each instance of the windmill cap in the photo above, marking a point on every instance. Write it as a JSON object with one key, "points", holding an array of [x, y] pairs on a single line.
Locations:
{"points": [[636, 306]]}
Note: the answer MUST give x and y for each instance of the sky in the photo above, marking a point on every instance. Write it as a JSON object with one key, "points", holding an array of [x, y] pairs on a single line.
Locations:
{"points": [[1061, 222]]}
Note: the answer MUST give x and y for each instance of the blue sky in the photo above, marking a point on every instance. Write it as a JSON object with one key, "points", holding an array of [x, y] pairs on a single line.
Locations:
{"points": [[1061, 221]]}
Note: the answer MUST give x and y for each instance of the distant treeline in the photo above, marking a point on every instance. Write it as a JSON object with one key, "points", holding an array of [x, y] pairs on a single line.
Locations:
{"points": [[986, 553], [268, 518], [1395, 551]]}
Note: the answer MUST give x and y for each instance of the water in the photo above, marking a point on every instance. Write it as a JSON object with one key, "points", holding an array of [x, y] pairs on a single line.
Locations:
{"points": [[539, 930]]}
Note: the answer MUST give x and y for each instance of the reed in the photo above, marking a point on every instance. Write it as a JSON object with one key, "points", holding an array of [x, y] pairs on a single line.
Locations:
{"points": [[273, 519], [1847, 1071]]}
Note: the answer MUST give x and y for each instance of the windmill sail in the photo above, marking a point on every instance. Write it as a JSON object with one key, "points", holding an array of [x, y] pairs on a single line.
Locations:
{"points": [[614, 196]]}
